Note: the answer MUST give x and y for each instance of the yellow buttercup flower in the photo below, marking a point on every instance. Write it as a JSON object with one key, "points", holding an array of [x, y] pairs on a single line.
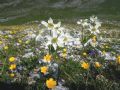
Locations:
{"points": [[118, 59], [5, 47], [12, 67], [97, 64], [51, 83], [85, 65], [12, 75], [47, 57], [44, 69], [11, 59]]}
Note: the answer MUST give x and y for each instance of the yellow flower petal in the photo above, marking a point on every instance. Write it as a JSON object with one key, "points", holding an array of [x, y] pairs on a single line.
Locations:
{"points": [[44, 69], [51, 83], [11, 59], [85, 65]]}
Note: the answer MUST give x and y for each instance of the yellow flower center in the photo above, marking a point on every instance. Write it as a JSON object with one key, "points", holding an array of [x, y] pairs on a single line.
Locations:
{"points": [[50, 25], [84, 54], [94, 39], [54, 40]]}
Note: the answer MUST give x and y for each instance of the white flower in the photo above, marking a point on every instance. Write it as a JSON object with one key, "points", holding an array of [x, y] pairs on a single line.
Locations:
{"points": [[54, 40], [83, 22], [60, 30], [93, 18], [94, 30], [94, 25], [32, 36], [108, 56], [1, 33], [66, 38], [50, 25], [91, 42], [38, 38], [28, 55], [77, 42], [60, 87]]}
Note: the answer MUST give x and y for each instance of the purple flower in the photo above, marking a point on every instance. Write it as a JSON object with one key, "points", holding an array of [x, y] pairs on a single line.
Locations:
{"points": [[92, 52]]}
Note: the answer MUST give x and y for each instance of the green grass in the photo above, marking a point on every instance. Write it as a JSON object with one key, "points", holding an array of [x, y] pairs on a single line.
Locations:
{"points": [[67, 13], [108, 10], [54, 1]]}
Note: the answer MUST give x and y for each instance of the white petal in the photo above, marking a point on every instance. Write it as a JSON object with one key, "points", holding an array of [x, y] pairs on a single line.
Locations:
{"points": [[55, 34], [78, 22], [97, 31], [58, 24], [60, 44], [44, 23], [38, 38], [55, 46], [48, 37], [61, 28], [87, 42], [48, 43], [50, 20]]}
